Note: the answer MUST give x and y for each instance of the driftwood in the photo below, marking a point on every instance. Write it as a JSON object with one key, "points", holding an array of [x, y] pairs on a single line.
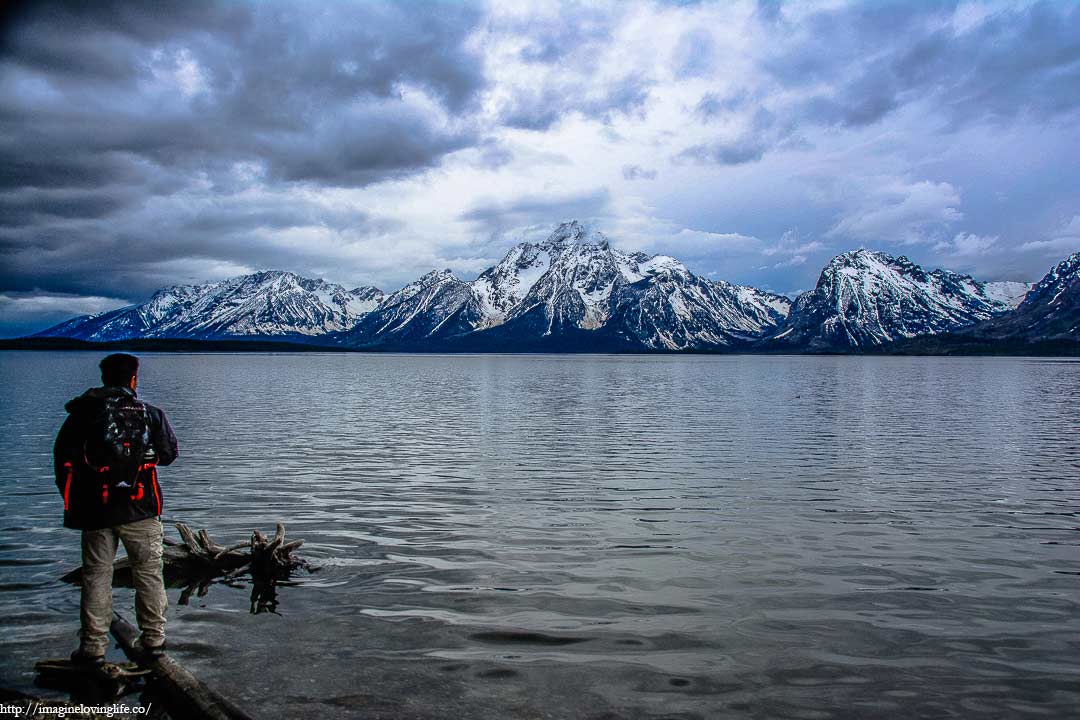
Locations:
{"points": [[265, 559], [184, 691], [271, 561], [196, 562], [197, 558]]}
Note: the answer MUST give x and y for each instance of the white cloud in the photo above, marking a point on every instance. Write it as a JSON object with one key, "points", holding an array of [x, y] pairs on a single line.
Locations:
{"points": [[1061, 245], [793, 250], [791, 243], [18, 306], [1064, 240], [793, 261], [967, 245], [900, 211], [714, 240], [178, 70]]}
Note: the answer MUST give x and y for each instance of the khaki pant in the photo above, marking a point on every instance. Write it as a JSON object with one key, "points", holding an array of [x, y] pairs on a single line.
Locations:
{"points": [[142, 541]]}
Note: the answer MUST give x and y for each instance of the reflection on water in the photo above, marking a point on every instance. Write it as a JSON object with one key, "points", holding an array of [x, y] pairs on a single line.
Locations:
{"points": [[597, 536]]}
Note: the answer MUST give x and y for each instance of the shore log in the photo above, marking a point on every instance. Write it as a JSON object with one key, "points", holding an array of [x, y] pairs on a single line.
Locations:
{"points": [[183, 689]]}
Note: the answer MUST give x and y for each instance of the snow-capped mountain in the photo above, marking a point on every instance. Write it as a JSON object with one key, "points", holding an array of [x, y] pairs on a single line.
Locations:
{"points": [[436, 306], [574, 286], [1050, 311], [575, 279], [865, 298], [574, 292], [264, 304]]}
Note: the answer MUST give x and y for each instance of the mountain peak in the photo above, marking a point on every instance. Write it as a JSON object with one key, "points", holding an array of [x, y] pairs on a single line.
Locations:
{"points": [[262, 276], [566, 233], [864, 257], [437, 276], [1068, 266], [574, 232], [1053, 285]]}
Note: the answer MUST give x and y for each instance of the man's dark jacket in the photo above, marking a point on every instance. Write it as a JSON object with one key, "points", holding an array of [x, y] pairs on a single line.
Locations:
{"points": [[89, 502]]}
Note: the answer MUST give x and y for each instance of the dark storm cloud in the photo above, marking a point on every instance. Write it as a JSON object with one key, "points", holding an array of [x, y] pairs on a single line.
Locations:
{"points": [[540, 107], [734, 152], [750, 146], [877, 57], [1021, 63], [554, 39], [362, 146], [863, 101], [97, 41], [117, 118], [713, 106], [287, 86], [872, 59], [259, 54], [566, 51], [31, 206], [197, 235], [214, 220]]}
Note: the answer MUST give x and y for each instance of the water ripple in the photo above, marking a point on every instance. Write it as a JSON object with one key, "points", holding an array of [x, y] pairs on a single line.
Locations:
{"points": [[643, 537]]}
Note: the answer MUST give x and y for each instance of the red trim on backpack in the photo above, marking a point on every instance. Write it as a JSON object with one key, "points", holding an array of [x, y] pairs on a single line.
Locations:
{"points": [[157, 492], [67, 485]]}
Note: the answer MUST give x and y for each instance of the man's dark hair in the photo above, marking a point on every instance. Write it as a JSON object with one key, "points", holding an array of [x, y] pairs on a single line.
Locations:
{"points": [[118, 369]]}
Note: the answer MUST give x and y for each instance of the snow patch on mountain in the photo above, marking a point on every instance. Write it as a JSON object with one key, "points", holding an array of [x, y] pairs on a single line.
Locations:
{"points": [[574, 281], [1050, 310], [574, 291], [1009, 292], [265, 304], [867, 298]]}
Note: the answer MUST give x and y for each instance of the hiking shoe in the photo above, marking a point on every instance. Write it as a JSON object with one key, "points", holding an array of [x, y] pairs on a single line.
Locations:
{"points": [[87, 660]]}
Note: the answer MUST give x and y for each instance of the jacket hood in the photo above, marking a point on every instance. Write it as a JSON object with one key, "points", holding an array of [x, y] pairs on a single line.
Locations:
{"points": [[94, 396]]}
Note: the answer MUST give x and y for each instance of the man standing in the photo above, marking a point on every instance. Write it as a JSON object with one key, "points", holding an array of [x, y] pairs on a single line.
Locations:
{"points": [[106, 458]]}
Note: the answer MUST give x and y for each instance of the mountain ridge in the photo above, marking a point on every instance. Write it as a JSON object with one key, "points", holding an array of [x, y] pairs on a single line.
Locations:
{"points": [[866, 298], [269, 303], [574, 292], [572, 281], [1048, 317]]}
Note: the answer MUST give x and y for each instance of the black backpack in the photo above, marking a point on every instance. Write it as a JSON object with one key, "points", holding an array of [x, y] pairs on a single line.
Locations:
{"points": [[118, 439]]}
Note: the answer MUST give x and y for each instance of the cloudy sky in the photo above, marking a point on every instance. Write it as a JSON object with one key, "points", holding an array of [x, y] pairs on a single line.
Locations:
{"points": [[143, 145]]}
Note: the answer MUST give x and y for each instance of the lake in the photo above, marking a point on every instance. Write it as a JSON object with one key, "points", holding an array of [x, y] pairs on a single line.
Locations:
{"points": [[595, 537]]}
